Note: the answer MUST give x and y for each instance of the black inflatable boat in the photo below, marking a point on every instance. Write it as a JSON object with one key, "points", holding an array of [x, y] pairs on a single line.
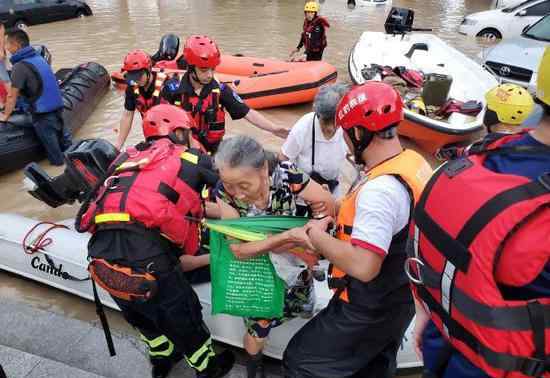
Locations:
{"points": [[82, 88]]}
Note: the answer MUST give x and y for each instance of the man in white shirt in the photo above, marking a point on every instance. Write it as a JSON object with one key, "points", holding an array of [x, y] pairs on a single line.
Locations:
{"points": [[359, 332]]}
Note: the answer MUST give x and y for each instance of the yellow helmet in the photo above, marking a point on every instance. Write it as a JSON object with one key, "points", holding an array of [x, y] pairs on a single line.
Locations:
{"points": [[311, 6], [511, 103], [543, 78]]}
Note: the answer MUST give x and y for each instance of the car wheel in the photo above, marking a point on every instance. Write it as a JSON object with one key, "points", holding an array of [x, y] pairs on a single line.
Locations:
{"points": [[489, 34], [20, 24], [80, 13]]}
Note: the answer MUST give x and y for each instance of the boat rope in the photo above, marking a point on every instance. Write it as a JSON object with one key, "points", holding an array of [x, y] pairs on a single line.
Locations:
{"points": [[41, 241]]}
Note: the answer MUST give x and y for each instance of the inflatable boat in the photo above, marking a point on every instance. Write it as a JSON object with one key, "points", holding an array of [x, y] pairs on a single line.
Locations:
{"points": [[82, 89], [430, 55], [61, 263], [265, 83]]}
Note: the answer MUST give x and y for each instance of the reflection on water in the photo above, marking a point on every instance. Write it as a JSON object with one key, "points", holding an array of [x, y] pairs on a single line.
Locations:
{"points": [[266, 28]]}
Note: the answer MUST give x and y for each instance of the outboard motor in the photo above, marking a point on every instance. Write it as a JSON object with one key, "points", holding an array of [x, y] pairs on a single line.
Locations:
{"points": [[399, 21], [86, 166], [44, 53], [168, 48]]}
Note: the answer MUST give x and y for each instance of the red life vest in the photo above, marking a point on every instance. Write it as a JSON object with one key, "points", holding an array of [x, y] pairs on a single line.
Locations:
{"points": [[143, 104], [466, 217], [310, 44], [209, 115], [151, 189]]}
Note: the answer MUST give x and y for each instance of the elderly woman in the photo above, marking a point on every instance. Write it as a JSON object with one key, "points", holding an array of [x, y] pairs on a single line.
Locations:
{"points": [[315, 145], [254, 182]]}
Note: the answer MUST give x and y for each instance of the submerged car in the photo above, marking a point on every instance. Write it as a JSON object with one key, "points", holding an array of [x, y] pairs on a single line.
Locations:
{"points": [[516, 60], [507, 22], [20, 13]]}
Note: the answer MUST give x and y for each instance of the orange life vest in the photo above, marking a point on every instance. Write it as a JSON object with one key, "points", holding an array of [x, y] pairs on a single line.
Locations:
{"points": [[413, 171]]}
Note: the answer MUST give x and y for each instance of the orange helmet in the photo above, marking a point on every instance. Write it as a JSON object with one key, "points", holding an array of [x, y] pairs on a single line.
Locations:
{"points": [[201, 51], [162, 120]]}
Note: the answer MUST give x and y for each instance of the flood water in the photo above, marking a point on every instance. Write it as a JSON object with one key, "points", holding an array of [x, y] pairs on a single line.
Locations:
{"points": [[262, 28]]}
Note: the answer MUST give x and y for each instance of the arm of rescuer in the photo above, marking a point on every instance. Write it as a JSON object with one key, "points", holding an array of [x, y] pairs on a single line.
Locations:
{"points": [[284, 241], [237, 109], [205, 176], [127, 117], [382, 210]]}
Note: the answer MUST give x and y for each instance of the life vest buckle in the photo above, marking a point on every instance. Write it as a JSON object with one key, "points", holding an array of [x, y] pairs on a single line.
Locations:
{"points": [[339, 283], [417, 279], [110, 182], [533, 367]]}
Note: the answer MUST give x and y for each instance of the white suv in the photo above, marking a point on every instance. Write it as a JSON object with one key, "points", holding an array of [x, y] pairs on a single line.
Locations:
{"points": [[506, 22], [516, 60]]}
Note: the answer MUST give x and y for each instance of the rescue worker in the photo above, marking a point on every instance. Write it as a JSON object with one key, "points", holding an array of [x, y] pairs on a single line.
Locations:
{"points": [[507, 109], [314, 35], [207, 99], [359, 332], [33, 80], [143, 220], [142, 92], [481, 264]]}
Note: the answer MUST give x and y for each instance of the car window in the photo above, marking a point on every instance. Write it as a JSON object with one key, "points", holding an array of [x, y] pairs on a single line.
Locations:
{"points": [[24, 2], [538, 10], [516, 7], [540, 30]]}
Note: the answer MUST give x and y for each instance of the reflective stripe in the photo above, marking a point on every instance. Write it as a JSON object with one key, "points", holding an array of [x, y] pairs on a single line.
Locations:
{"points": [[112, 217], [187, 156], [446, 286], [133, 164], [415, 243], [204, 353], [205, 192], [155, 344]]}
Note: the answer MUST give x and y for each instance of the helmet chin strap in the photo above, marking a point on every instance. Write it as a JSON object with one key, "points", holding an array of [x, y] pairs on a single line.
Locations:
{"points": [[361, 144], [195, 77]]}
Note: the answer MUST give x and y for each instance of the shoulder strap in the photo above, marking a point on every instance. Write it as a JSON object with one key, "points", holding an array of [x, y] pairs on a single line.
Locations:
{"points": [[313, 143]]}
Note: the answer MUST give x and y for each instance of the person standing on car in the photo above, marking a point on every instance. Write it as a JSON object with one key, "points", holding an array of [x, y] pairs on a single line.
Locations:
{"points": [[33, 79]]}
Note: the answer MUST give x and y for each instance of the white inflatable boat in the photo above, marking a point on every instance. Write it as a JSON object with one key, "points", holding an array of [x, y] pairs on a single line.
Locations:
{"points": [[62, 264], [428, 54]]}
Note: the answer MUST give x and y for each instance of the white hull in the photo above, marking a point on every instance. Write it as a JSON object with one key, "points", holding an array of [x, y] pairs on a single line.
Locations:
{"points": [[68, 250], [470, 80]]}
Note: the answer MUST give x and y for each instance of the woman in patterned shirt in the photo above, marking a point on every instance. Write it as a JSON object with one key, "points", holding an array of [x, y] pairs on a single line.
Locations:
{"points": [[254, 183]]}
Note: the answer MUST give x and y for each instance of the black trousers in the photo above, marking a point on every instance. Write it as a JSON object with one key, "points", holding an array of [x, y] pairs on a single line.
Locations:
{"points": [[314, 55], [344, 340], [171, 322]]}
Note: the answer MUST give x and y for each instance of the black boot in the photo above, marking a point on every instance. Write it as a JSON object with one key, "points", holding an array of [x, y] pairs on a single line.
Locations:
{"points": [[219, 365], [161, 367], [255, 366]]}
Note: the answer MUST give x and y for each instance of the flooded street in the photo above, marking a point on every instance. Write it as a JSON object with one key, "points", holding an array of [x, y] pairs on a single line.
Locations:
{"points": [[262, 28]]}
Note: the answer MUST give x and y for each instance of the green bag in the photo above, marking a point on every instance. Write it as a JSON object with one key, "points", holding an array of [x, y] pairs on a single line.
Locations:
{"points": [[248, 288]]}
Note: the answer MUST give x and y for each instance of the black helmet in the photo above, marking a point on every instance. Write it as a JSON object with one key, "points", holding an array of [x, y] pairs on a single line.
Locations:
{"points": [[168, 48]]}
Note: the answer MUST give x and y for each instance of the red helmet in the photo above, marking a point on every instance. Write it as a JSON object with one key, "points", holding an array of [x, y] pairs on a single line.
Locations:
{"points": [[163, 119], [137, 60], [373, 105], [201, 51]]}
